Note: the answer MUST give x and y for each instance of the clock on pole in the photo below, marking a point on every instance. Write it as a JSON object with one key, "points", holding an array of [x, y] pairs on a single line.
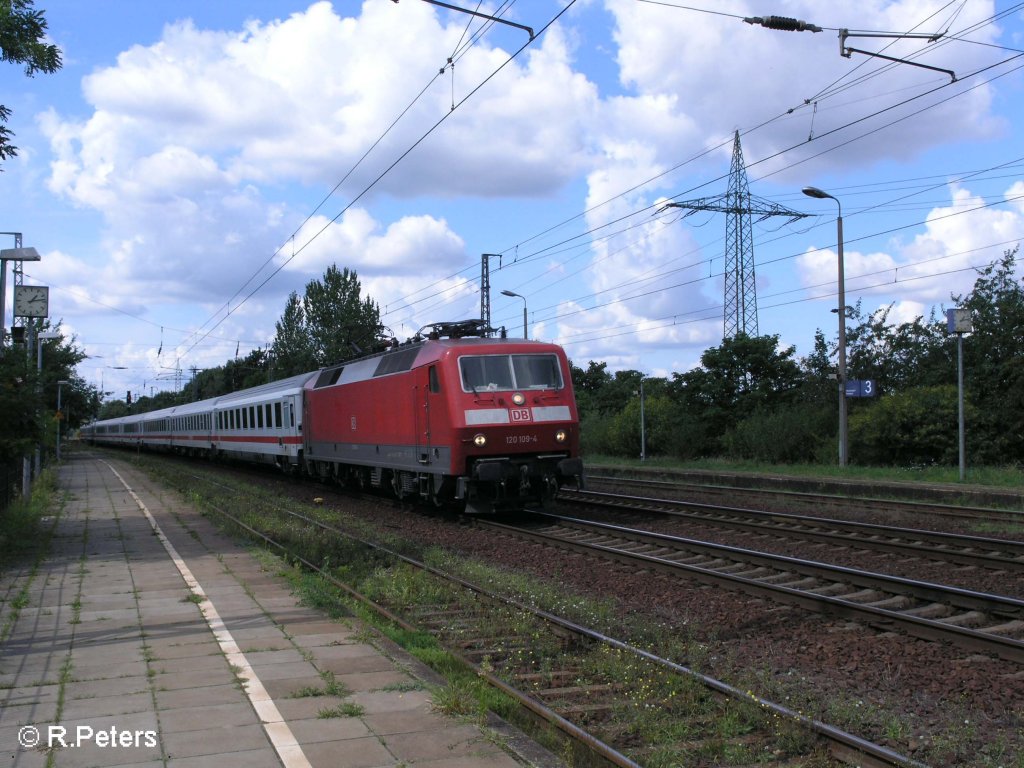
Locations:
{"points": [[31, 301]]}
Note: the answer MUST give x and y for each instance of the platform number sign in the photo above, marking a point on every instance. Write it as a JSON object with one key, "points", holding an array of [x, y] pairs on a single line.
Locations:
{"points": [[861, 388]]}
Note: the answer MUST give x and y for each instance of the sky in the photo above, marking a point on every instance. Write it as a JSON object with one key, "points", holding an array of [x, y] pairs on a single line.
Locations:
{"points": [[194, 163]]}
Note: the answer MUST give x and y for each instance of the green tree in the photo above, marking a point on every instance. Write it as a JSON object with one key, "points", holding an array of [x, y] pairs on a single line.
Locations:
{"points": [[28, 393], [240, 373], [330, 323], [915, 427], [743, 375], [992, 360], [341, 324], [20, 426], [897, 357], [292, 350], [22, 41]]}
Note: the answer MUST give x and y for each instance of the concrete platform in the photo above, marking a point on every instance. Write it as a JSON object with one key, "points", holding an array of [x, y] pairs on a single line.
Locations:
{"points": [[148, 638]]}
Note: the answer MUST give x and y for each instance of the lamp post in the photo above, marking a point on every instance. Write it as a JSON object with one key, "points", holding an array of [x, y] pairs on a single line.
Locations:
{"points": [[821, 195], [643, 423], [511, 294], [60, 418]]}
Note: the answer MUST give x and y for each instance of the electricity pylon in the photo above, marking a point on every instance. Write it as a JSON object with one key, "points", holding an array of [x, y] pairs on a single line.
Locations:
{"points": [[740, 305]]}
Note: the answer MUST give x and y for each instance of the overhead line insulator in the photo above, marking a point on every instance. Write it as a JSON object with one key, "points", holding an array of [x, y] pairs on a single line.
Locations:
{"points": [[784, 23]]}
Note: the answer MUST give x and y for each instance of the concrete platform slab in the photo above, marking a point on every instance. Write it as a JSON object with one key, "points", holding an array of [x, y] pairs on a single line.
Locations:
{"points": [[115, 646]]}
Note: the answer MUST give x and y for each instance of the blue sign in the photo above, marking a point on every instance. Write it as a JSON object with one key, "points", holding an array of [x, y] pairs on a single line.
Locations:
{"points": [[861, 388]]}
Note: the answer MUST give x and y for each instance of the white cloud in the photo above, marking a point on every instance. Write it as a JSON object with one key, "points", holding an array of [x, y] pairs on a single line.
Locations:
{"points": [[418, 245], [185, 133], [937, 263]]}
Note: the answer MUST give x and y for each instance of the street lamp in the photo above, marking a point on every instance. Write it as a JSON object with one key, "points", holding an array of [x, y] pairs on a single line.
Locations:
{"points": [[821, 195], [60, 418], [514, 295], [11, 254]]}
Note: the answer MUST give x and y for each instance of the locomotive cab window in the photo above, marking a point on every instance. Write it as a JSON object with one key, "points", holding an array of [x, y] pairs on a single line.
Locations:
{"points": [[537, 372], [501, 372]]}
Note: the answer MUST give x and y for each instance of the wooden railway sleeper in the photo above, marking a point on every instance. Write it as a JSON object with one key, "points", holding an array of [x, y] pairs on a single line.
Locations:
{"points": [[754, 573], [830, 590], [894, 603], [574, 691], [1014, 627], [966, 619], [863, 596], [801, 583], [930, 611]]}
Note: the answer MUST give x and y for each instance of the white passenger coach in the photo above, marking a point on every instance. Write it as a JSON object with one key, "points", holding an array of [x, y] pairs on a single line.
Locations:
{"points": [[259, 424]]}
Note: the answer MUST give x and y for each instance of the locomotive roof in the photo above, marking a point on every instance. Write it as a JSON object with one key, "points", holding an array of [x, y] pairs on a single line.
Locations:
{"points": [[412, 355]]}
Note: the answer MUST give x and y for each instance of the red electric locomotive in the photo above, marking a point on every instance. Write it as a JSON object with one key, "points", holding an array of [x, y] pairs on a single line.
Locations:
{"points": [[486, 420]]}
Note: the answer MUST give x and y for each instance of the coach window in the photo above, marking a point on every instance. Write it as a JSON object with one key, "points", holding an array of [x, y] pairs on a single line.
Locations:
{"points": [[252, 417], [259, 416], [270, 416], [277, 415]]}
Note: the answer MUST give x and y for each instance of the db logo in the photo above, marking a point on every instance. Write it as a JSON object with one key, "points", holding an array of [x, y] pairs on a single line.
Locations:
{"points": [[518, 415]]}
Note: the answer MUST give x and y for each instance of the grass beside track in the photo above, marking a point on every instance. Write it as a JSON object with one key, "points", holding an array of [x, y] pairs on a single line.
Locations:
{"points": [[998, 477]]}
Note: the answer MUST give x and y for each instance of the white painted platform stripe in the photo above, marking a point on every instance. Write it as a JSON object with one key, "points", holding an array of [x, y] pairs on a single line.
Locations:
{"points": [[280, 735]]}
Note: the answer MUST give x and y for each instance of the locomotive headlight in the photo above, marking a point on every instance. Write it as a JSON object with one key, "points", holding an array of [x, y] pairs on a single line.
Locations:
{"points": [[560, 436], [518, 398], [479, 441]]}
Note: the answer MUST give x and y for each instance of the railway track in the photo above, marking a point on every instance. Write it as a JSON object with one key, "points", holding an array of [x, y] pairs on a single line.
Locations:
{"points": [[1001, 554], [975, 621], [587, 684], [789, 499]]}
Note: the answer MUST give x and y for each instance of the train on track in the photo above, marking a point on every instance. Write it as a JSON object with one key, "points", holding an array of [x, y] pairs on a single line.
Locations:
{"points": [[451, 416]]}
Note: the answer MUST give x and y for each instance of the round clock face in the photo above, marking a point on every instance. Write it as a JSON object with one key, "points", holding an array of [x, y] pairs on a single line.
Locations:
{"points": [[31, 300]]}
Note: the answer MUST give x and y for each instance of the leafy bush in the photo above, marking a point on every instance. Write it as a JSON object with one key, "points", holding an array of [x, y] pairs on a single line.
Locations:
{"points": [[914, 427], [785, 435]]}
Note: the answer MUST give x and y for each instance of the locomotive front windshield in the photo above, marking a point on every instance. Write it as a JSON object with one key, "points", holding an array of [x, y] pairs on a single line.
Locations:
{"points": [[497, 372]]}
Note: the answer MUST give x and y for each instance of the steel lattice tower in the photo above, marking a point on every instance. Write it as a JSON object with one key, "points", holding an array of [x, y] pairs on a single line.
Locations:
{"points": [[740, 303]]}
